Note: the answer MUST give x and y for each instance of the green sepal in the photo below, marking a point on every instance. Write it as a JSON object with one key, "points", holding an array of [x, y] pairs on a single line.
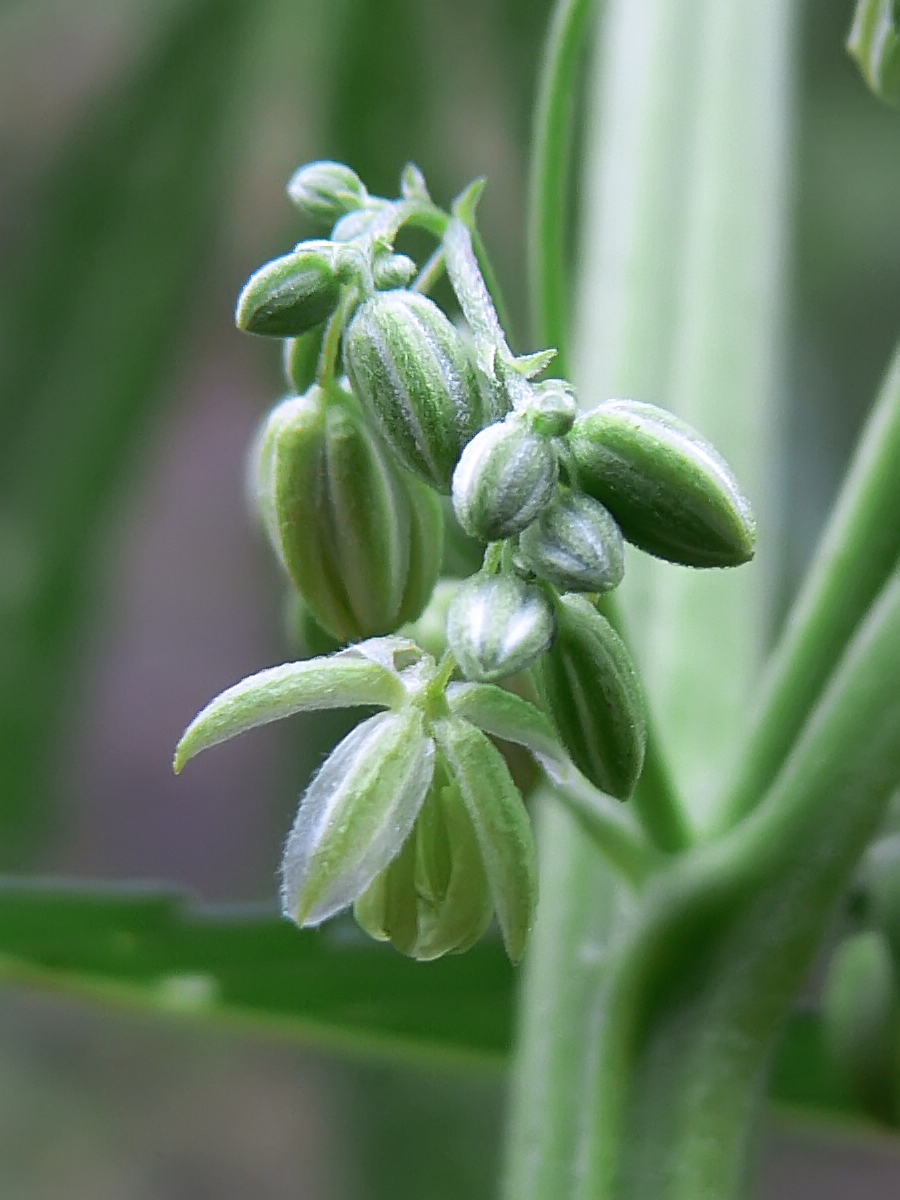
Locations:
{"points": [[861, 1021], [506, 477], [410, 367], [434, 898], [324, 191], [531, 365], [504, 715], [292, 294], [356, 814], [670, 491], [874, 42], [413, 185], [590, 688], [498, 625], [301, 359], [501, 824], [342, 680], [575, 544]]}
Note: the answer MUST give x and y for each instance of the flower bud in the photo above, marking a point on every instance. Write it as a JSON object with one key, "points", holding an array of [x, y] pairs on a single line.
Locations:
{"points": [[506, 476], [574, 544], [670, 491], [591, 690], [393, 271], [433, 898], [360, 544], [356, 814], [301, 359], [553, 408], [409, 366], [292, 294], [498, 625], [357, 224], [324, 191]]}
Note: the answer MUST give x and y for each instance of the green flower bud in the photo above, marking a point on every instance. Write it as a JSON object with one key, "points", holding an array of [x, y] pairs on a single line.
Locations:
{"points": [[861, 1019], [591, 690], [574, 544], [292, 294], [498, 625], [324, 191], [356, 814], [434, 897], [357, 224], [301, 359], [506, 476], [501, 824], [360, 542], [410, 368], [670, 491], [553, 408], [393, 271]]}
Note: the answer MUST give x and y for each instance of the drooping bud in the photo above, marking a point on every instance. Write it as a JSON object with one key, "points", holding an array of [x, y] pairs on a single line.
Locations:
{"points": [[498, 625], [409, 366], [434, 898], [574, 544], [324, 191], [360, 544], [591, 690], [506, 476], [301, 359], [292, 294], [670, 491], [501, 824], [356, 814]]}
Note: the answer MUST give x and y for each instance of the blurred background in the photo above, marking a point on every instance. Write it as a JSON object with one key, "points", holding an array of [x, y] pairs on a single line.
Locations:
{"points": [[144, 147]]}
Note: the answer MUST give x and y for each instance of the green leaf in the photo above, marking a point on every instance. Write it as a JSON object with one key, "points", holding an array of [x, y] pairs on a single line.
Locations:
{"points": [[507, 716], [93, 319], [341, 681], [152, 947], [874, 42]]}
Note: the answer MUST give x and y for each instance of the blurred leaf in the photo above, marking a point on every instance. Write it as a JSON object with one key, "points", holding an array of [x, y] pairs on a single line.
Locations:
{"points": [[150, 946], [91, 323]]}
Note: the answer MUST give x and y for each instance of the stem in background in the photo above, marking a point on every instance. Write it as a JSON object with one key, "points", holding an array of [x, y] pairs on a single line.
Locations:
{"points": [[550, 189], [609, 825], [857, 552]]}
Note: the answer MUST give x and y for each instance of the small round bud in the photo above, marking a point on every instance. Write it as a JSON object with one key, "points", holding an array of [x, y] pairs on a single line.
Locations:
{"points": [[324, 191], [409, 366], [292, 294], [506, 476], [357, 224], [553, 409], [574, 544], [393, 271], [670, 491], [361, 545], [498, 625], [591, 690]]}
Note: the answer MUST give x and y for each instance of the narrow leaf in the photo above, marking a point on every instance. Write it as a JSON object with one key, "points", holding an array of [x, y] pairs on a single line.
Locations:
{"points": [[505, 715], [339, 681]]}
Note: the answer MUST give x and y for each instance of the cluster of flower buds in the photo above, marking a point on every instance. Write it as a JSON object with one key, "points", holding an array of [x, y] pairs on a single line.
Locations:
{"points": [[414, 820]]}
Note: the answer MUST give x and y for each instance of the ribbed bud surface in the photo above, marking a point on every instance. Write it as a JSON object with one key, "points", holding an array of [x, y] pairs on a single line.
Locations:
{"points": [[324, 191], [498, 625], [507, 475], [576, 545], [292, 294]]}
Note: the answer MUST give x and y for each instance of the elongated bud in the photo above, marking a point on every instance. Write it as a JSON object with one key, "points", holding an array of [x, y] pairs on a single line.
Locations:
{"points": [[670, 491], [874, 42], [861, 1017], [434, 898], [498, 625], [301, 359], [292, 294], [506, 476], [362, 548], [410, 368], [575, 544], [356, 815], [590, 688], [501, 824], [324, 191]]}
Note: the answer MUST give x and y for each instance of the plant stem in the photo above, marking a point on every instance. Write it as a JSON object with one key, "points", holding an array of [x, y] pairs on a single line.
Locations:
{"points": [[857, 552], [550, 182]]}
